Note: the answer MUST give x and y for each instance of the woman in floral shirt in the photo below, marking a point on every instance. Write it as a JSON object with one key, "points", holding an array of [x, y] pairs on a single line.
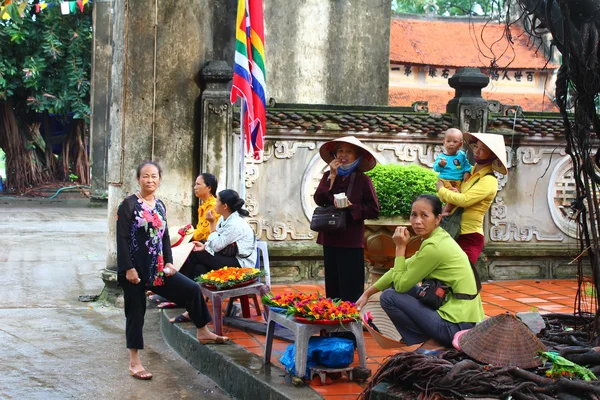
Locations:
{"points": [[145, 263]]}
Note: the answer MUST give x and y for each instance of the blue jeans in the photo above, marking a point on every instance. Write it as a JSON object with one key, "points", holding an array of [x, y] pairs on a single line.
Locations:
{"points": [[415, 321]]}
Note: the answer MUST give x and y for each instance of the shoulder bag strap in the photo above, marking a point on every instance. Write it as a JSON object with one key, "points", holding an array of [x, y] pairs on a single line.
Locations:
{"points": [[352, 176]]}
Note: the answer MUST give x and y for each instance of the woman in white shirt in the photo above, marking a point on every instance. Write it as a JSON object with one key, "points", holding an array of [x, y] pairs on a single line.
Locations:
{"points": [[231, 242]]}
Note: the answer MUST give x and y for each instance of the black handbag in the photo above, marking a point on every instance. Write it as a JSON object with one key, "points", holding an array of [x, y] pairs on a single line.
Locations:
{"points": [[330, 218], [230, 250], [451, 223], [433, 293]]}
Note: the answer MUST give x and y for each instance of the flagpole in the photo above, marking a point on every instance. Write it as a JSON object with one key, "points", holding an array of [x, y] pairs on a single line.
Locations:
{"points": [[242, 154]]}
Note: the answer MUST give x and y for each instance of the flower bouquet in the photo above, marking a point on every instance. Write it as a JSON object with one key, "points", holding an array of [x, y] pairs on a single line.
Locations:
{"points": [[280, 303], [229, 277], [324, 310]]}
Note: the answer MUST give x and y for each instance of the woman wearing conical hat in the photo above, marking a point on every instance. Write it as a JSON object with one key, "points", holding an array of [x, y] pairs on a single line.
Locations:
{"points": [[478, 192], [343, 250]]}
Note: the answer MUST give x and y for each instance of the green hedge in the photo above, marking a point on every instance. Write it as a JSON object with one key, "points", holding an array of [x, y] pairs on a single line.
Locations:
{"points": [[398, 185]]}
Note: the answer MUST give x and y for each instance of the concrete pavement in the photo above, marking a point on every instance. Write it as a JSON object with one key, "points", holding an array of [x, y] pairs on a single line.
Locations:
{"points": [[53, 345]]}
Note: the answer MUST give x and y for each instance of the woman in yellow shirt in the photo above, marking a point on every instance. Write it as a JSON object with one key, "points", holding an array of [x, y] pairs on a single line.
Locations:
{"points": [[478, 192], [205, 189]]}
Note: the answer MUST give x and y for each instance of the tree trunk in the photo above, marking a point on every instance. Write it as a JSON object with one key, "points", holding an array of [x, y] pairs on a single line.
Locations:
{"points": [[27, 161]]}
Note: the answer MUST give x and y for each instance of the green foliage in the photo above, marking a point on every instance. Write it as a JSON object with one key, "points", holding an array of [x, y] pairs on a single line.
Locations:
{"points": [[45, 61], [398, 185], [448, 7]]}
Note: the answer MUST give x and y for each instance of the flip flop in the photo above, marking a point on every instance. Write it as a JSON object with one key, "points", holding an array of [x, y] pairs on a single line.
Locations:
{"points": [[167, 304], [180, 319], [141, 375], [156, 298], [217, 340], [433, 353]]}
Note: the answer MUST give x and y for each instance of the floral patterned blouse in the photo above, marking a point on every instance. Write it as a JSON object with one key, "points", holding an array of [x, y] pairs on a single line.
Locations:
{"points": [[143, 239]]}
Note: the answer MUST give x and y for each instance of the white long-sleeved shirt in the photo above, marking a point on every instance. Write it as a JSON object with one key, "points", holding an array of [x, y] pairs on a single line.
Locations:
{"points": [[230, 230]]}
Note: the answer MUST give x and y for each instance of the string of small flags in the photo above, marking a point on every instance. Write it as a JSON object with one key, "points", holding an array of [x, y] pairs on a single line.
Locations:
{"points": [[66, 7]]}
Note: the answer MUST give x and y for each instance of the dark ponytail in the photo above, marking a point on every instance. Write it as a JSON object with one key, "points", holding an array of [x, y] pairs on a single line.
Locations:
{"points": [[211, 181], [233, 201]]}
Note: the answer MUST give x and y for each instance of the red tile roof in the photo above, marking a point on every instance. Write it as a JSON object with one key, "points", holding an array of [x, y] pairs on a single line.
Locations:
{"points": [[460, 44], [438, 98]]}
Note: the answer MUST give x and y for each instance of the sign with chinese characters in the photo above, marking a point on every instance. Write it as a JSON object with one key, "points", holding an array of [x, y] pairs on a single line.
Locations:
{"points": [[403, 73]]}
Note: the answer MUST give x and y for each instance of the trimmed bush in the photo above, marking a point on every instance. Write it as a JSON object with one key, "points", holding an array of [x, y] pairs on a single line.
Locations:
{"points": [[398, 185]]}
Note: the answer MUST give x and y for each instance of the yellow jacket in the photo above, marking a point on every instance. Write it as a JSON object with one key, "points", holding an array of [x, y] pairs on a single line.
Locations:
{"points": [[203, 228], [476, 196]]}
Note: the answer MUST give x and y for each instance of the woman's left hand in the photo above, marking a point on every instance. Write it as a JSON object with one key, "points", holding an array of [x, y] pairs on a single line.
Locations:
{"points": [[198, 246], [169, 269], [439, 184]]}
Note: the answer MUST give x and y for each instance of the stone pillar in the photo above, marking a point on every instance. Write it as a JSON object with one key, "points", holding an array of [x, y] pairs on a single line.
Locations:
{"points": [[469, 108], [216, 130], [155, 56], [101, 65], [328, 51]]}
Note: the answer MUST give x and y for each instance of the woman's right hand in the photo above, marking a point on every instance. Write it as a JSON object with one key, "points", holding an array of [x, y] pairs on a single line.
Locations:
{"points": [[210, 216], [362, 301], [401, 236], [333, 167], [198, 246], [132, 276]]}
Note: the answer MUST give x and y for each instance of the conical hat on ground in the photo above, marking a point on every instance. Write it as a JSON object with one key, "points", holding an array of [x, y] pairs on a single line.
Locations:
{"points": [[503, 341], [388, 336]]}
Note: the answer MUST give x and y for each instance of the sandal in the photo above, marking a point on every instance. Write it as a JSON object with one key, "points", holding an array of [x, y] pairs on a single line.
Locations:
{"points": [[157, 298], [217, 340], [433, 353], [167, 304], [180, 319], [141, 375]]}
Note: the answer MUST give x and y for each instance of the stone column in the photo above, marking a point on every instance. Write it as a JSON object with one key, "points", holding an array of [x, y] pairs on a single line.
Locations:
{"points": [[216, 130], [469, 108], [101, 65], [155, 56]]}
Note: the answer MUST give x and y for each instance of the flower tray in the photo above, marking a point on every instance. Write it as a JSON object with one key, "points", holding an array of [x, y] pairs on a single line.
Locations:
{"points": [[323, 322], [280, 310], [235, 285]]}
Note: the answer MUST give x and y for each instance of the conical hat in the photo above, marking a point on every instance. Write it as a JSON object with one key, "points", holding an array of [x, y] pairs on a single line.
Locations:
{"points": [[180, 254], [502, 341], [180, 234], [328, 149], [388, 336], [495, 143]]}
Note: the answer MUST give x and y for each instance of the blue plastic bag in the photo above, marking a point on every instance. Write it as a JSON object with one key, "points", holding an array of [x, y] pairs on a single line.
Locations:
{"points": [[331, 352]]}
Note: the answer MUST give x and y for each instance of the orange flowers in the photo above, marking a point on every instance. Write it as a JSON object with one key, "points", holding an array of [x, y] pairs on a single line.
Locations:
{"points": [[287, 299], [229, 276], [313, 307]]}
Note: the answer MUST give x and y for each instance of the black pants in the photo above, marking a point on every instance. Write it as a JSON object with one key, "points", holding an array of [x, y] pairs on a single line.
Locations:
{"points": [[201, 262], [344, 272], [177, 288]]}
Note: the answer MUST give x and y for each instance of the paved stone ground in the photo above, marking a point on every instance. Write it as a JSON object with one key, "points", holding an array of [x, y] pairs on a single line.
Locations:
{"points": [[56, 347]]}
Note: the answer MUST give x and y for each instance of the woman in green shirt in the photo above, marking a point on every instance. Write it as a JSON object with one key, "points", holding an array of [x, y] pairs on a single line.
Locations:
{"points": [[439, 257]]}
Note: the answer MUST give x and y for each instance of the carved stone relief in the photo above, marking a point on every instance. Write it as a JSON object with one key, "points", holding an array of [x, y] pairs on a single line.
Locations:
{"points": [[424, 154], [503, 230], [218, 108], [561, 192], [529, 155], [277, 230]]}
